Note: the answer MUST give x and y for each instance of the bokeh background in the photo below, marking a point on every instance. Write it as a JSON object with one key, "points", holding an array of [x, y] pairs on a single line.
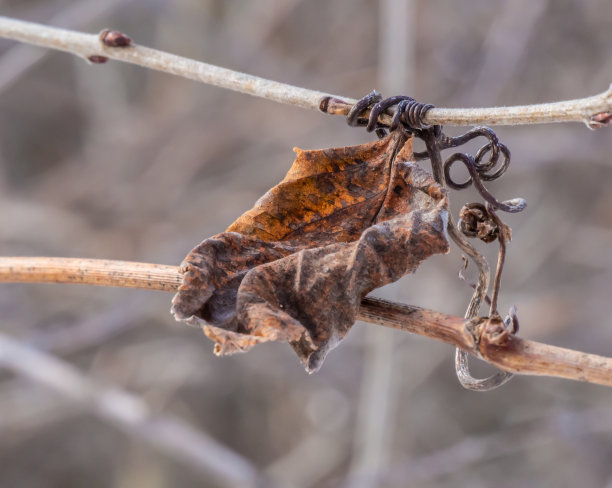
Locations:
{"points": [[114, 161]]}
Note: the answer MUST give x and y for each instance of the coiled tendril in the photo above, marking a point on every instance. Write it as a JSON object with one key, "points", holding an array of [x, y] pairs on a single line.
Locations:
{"points": [[477, 220], [408, 114]]}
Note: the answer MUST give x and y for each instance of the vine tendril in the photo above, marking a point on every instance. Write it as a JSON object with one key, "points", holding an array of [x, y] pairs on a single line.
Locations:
{"points": [[476, 219]]}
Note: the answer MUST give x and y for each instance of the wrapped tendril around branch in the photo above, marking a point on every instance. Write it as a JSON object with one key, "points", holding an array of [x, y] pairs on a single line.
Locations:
{"points": [[476, 219]]}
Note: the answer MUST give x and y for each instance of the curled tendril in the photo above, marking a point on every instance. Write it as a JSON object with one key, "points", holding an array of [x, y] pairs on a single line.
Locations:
{"points": [[408, 114], [381, 107], [494, 147], [477, 220], [511, 206], [484, 168], [462, 368], [354, 117]]}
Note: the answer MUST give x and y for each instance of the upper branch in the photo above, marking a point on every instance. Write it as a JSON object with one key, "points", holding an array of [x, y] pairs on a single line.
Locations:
{"points": [[595, 111], [514, 355]]}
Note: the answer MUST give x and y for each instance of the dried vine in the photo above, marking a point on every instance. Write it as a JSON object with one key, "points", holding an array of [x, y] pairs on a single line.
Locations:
{"points": [[492, 338], [477, 220]]}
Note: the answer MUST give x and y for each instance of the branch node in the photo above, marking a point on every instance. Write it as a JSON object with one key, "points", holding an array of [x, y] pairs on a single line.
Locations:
{"points": [[334, 106], [474, 328], [597, 121], [494, 332]]}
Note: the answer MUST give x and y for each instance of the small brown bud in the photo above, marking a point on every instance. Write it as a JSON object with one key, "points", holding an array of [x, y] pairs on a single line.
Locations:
{"points": [[113, 38], [96, 59]]}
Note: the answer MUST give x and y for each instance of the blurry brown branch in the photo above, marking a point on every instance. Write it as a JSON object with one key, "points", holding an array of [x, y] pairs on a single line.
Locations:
{"points": [[513, 354], [526, 434], [593, 111], [168, 434]]}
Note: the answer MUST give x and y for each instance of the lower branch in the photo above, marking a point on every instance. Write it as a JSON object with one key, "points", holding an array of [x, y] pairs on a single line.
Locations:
{"points": [[514, 354]]}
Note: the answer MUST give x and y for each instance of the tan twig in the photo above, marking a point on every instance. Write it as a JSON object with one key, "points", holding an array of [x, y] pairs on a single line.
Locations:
{"points": [[591, 110], [100, 272], [513, 354]]}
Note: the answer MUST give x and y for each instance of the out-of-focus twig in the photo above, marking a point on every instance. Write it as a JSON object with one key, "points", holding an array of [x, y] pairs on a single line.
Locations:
{"points": [[504, 47], [163, 432], [594, 111], [534, 433], [514, 355]]}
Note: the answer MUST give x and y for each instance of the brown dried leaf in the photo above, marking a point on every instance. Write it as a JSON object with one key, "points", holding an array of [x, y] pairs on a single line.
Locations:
{"points": [[295, 267]]}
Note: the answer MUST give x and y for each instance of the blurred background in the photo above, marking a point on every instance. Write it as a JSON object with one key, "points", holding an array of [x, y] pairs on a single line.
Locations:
{"points": [[115, 161]]}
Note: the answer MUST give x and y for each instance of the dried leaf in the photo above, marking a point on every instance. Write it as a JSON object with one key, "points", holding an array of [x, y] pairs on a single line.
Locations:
{"points": [[343, 222]]}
